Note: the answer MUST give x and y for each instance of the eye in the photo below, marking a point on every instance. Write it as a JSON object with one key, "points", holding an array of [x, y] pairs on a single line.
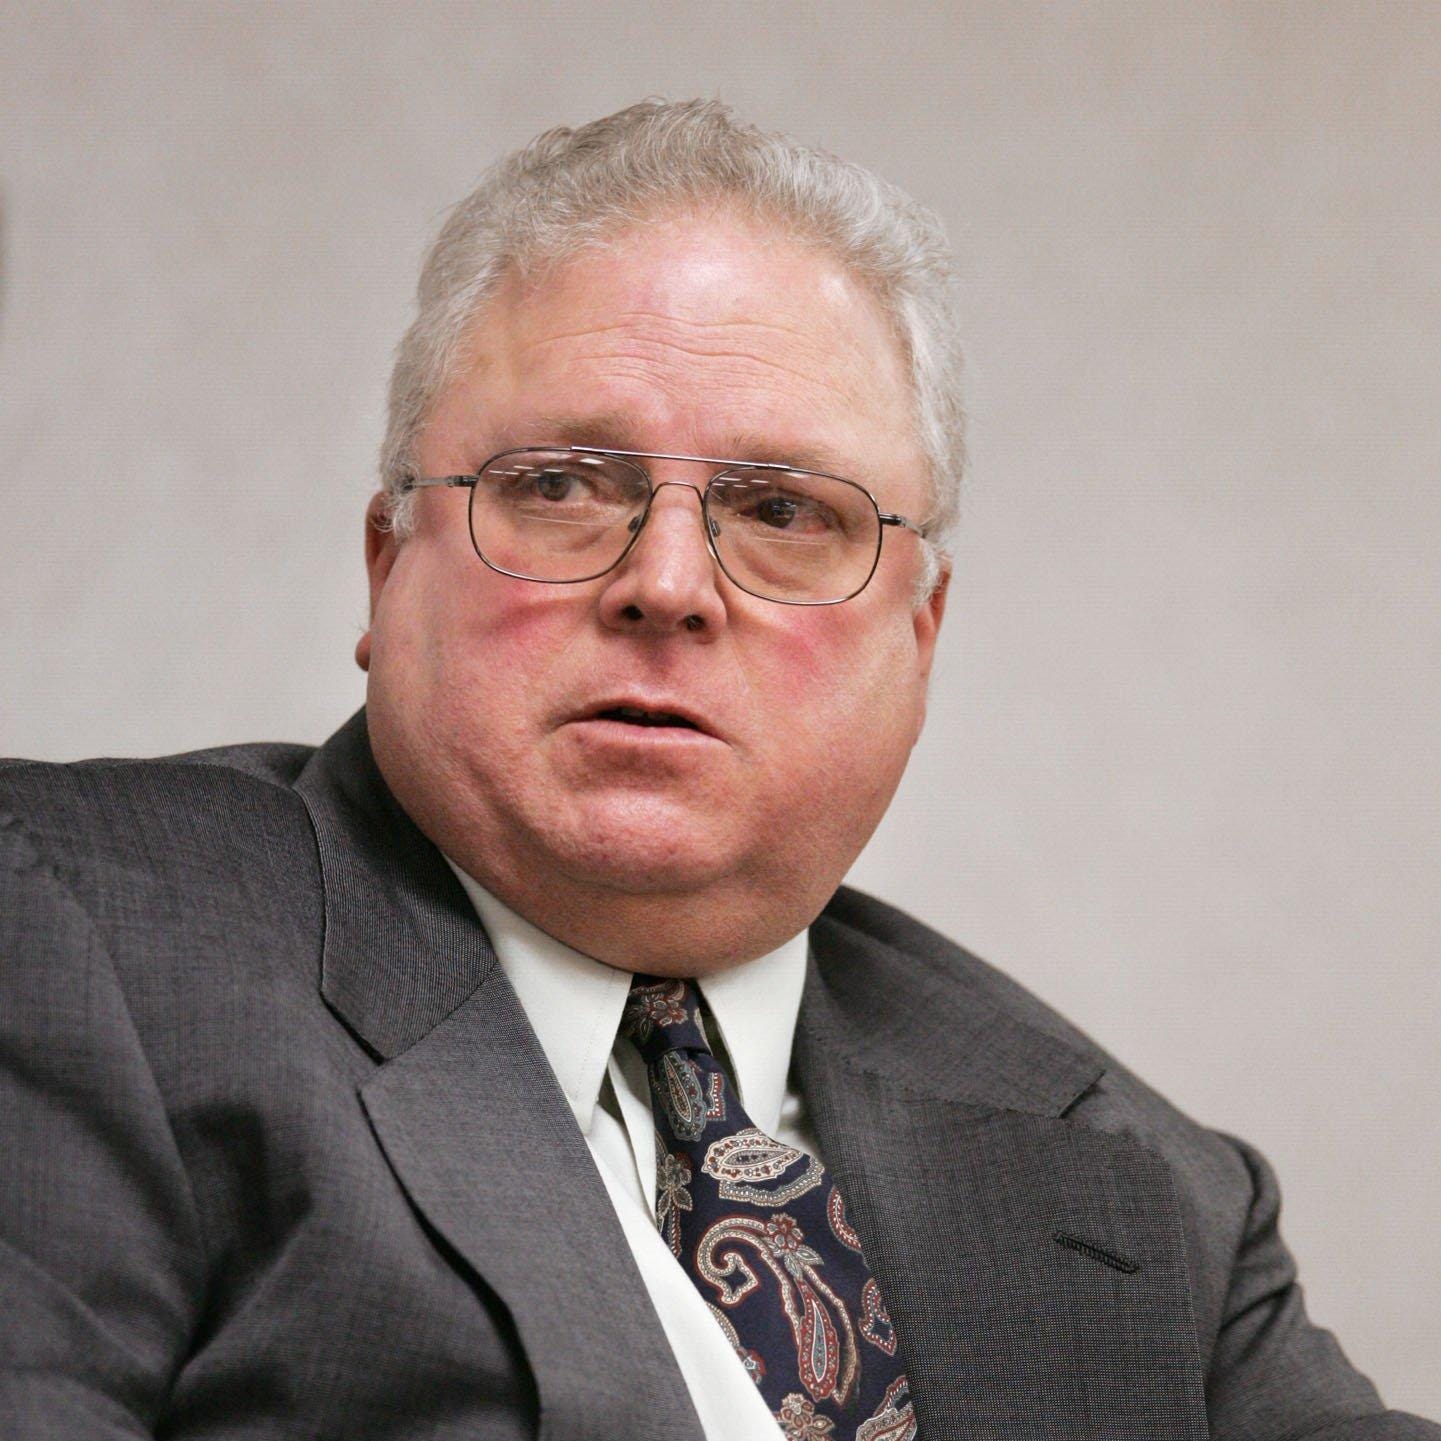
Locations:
{"points": [[776, 510], [798, 516], [793, 510], [554, 484]]}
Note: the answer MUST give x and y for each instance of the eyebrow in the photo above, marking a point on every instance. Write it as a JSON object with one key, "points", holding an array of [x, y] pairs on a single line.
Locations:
{"points": [[613, 430]]}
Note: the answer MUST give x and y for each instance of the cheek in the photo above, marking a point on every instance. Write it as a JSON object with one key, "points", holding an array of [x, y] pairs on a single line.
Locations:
{"points": [[848, 696], [452, 616], [854, 665], [457, 656]]}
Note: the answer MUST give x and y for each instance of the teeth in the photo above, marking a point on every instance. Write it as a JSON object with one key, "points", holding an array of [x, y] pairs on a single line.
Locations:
{"points": [[634, 716]]}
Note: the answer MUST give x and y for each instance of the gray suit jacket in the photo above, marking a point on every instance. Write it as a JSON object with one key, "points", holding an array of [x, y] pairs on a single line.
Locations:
{"points": [[283, 1158]]}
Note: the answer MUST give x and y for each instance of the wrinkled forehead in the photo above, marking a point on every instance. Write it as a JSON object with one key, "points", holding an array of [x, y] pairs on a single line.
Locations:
{"points": [[691, 259], [701, 330]]}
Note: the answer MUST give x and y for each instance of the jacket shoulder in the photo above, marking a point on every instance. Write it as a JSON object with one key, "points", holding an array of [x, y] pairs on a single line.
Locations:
{"points": [[273, 762], [145, 845], [948, 973], [954, 980], [77, 803]]}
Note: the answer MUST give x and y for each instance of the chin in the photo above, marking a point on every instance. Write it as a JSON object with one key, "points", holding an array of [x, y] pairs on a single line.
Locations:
{"points": [[660, 863]]}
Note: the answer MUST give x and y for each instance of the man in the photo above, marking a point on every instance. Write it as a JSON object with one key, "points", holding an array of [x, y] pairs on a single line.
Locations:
{"points": [[512, 1063]]}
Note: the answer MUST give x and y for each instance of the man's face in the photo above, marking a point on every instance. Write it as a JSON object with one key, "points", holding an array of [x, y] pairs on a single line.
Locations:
{"points": [[658, 847]]}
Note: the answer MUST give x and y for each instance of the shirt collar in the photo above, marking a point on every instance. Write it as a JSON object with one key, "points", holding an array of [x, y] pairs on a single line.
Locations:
{"points": [[755, 1005], [574, 1006]]}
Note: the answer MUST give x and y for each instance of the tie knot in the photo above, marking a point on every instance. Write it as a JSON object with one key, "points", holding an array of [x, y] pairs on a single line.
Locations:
{"points": [[663, 1016]]}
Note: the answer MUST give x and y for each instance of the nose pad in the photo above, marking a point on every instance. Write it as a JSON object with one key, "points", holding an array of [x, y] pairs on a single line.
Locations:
{"points": [[637, 523], [674, 585], [679, 484], [710, 527]]}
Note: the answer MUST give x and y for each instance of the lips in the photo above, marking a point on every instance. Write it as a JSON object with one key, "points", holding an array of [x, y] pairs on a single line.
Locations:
{"points": [[649, 714], [634, 715]]}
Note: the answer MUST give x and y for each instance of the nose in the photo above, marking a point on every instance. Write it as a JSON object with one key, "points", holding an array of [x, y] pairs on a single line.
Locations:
{"points": [[669, 581]]}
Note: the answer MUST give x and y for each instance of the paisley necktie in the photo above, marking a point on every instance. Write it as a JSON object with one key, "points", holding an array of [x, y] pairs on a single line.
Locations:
{"points": [[762, 1232]]}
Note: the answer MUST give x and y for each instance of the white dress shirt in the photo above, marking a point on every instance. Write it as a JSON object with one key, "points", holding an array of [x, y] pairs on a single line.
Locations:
{"points": [[574, 1005]]}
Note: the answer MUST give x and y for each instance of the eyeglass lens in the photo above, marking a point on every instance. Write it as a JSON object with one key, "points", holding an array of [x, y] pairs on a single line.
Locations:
{"points": [[787, 535]]}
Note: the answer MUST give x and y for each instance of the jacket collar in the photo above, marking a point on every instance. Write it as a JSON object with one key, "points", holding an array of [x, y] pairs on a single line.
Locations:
{"points": [[402, 948], [929, 1018]]}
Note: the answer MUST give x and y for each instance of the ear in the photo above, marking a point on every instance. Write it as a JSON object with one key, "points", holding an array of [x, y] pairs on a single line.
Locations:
{"points": [[927, 623], [928, 618], [380, 552]]}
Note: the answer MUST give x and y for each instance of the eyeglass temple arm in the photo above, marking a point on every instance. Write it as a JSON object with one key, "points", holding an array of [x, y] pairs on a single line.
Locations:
{"points": [[886, 518], [412, 482]]}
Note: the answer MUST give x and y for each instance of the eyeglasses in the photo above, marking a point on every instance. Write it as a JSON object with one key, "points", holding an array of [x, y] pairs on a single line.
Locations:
{"points": [[566, 514]]}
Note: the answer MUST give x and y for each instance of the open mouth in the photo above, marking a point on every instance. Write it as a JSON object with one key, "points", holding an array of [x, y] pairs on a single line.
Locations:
{"points": [[633, 715]]}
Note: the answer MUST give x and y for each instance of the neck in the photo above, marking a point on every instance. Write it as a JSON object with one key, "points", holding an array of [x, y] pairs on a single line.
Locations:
{"points": [[672, 934]]}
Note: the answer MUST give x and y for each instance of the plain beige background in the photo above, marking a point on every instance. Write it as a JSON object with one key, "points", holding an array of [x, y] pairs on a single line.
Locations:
{"points": [[1180, 775]]}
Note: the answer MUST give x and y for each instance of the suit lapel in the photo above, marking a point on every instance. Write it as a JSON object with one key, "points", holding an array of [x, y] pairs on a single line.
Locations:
{"points": [[470, 1116], [480, 1136], [940, 1116]]}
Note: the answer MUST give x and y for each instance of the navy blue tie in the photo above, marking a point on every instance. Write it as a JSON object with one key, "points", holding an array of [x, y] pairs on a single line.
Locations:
{"points": [[763, 1233]]}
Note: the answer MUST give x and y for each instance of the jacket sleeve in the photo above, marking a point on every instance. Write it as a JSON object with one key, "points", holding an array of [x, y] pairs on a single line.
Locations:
{"points": [[1274, 1376], [100, 1271]]}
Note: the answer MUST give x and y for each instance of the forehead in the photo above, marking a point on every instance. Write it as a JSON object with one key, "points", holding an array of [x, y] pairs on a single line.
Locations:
{"points": [[712, 334]]}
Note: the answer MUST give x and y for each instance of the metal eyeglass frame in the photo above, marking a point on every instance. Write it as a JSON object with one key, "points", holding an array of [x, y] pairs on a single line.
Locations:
{"points": [[468, 482]]}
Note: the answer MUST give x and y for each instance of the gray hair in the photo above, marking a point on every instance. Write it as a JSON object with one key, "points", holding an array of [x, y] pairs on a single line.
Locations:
{"points": [[569, 189]]}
